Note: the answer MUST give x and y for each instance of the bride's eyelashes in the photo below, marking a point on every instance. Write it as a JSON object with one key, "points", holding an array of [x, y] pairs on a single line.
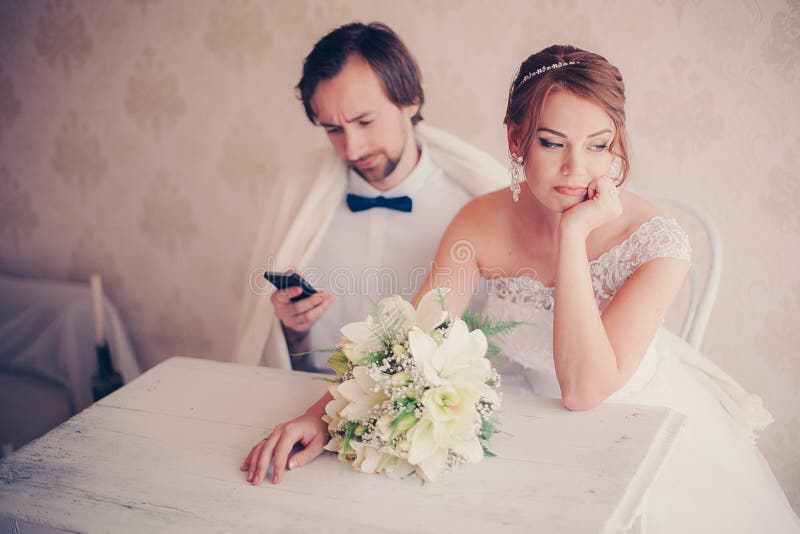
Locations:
{"points": [[546, 143], [599, 145], [554, 145]]}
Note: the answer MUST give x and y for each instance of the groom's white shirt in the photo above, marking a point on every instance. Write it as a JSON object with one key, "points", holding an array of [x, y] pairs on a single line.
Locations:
{"points": [[296, 223], [380, 252]]}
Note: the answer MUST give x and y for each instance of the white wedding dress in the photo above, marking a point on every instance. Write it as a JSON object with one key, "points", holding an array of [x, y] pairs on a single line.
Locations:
{"points": [[716, 480]]}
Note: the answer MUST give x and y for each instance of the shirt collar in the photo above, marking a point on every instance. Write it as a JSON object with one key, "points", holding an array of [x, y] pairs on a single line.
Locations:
{"points": [[408, 187]]}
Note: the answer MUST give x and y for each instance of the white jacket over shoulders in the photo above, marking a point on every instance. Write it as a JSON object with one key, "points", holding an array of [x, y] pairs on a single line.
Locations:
{"points": [[295, 222]]}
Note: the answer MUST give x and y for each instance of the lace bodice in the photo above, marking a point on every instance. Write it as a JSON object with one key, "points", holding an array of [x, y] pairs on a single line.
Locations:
{"points": [[721, 417], [528, 349]]}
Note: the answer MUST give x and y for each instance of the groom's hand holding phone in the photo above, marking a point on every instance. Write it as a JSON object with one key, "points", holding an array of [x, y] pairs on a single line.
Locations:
{"points": [[297, 305]]}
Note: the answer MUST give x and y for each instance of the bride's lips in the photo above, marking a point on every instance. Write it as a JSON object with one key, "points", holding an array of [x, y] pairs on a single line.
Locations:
{"points": [[571, 191]]}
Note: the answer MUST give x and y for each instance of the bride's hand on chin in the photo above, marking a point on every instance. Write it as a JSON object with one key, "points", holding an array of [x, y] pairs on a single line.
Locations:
{"points": [[602, 205]]}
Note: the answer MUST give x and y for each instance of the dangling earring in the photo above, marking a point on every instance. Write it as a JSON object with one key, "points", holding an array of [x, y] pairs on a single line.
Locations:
{"points": [[615, 169], [515, 171]]}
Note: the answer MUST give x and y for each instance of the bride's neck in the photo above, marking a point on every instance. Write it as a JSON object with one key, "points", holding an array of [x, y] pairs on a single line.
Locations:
{"points": [[538, 218]]}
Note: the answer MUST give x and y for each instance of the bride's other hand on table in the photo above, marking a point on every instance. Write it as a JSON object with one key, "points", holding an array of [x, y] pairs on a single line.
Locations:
{"points": [[308, 429]]}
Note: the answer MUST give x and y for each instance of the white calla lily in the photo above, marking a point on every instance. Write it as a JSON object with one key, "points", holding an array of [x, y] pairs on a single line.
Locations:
{"points": [[361, 394], [422, 348], [334, 444], [428, 455], [430, 312], [467, 445], [334, 407], [459, 361], [398, 468], [360, 340], [396, 313], [422, 441], [383, 426], [382, 460]]}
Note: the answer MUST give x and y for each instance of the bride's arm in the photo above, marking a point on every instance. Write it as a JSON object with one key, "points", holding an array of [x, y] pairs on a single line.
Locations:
{"points": [[456, 264], [596, 354]]}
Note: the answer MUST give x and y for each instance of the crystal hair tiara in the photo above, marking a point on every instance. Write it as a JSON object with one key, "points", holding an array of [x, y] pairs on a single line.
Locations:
{"points": [[542, 70]]}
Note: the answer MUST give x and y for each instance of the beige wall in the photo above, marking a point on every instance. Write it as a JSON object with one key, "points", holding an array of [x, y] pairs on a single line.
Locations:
{"points": [[139, 138]]}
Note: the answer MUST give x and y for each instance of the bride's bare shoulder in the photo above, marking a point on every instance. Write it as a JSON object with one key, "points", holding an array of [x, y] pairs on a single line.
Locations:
{"points": [[483, 216], [638, 210], [486, 209]]}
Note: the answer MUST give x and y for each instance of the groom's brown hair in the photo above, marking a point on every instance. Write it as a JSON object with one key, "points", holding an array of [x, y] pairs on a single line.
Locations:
{"points": [[380, 47]]}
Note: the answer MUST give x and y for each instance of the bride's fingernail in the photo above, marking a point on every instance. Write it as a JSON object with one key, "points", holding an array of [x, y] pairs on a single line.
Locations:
{"points": [[292, 465]]}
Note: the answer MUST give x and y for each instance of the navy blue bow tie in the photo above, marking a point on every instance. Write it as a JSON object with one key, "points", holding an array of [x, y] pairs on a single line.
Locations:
{"points": [[359, 203]]}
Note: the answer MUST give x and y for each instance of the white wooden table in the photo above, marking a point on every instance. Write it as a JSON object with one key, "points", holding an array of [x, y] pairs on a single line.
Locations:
{"points": [[163, 454]]}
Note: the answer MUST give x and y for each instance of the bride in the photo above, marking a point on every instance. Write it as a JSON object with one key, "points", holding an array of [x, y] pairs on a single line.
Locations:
{"points": [[591, 270]]}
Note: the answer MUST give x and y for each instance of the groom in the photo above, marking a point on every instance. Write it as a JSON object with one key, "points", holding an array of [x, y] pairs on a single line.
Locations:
{"points": [[370, 223]]}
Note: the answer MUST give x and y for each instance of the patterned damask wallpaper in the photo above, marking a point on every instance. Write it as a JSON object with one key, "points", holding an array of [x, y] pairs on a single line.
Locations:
{"points": [[139, 139]]}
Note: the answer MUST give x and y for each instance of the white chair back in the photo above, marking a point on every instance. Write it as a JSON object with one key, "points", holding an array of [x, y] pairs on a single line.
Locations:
{"points": [[689, 314]]}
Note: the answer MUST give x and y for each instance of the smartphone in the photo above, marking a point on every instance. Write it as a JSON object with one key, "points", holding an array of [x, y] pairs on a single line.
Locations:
{"points": [[287, 280]]}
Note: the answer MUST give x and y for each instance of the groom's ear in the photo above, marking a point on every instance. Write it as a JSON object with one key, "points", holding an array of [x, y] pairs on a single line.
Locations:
{"points": [[411, 109], [512, 132]]}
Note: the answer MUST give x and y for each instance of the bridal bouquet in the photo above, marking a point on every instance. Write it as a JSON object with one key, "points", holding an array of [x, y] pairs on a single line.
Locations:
{"points": [[414, 391]]}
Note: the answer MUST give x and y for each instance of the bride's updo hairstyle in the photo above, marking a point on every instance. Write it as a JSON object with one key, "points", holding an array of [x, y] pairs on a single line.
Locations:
{"points": [[566, 68]]}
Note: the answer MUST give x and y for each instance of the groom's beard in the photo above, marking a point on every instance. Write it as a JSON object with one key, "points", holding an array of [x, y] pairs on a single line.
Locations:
{"points": [[375, 174]]}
